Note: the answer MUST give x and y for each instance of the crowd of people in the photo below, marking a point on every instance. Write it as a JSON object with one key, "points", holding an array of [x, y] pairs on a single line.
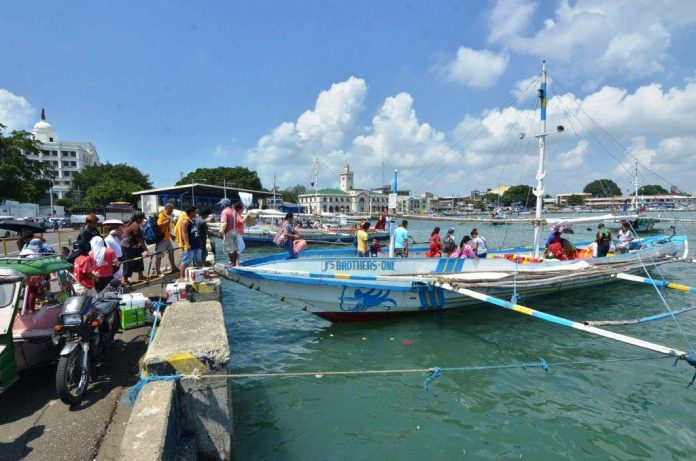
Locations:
{"points": [[472, 245]]}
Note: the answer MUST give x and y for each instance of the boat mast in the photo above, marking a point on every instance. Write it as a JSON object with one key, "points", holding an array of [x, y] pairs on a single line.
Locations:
{"points": [[274, 192], [541, 172], [315, 164], [635, 196]]}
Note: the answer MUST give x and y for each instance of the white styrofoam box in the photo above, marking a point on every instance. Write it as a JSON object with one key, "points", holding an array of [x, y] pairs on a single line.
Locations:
{"points": [[176, 292], [194, 274], [133, 300]]}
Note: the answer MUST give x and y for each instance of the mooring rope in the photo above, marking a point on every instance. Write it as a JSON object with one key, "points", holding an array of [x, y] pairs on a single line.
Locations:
{"points": [[431, 373]]}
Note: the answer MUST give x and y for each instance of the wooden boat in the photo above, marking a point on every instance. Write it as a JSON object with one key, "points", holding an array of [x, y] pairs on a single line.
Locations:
{"points": [[338, 286]]}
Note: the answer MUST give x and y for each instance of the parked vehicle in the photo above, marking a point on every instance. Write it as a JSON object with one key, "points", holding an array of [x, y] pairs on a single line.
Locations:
{"points": [[88, 327], [31, 295]]}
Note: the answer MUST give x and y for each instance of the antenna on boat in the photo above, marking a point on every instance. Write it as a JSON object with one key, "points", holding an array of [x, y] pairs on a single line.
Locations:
{"points": [[393, 207], [315, 166], [541, 171]]}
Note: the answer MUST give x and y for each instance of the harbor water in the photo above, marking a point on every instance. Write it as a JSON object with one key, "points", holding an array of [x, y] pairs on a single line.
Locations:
{"points": [[599, 409]]}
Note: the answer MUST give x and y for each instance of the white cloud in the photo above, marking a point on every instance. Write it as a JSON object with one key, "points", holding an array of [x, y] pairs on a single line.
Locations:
{"points": [[626, 38], [474, 68], [572, 158], [289, 148], [15, 111], [509, 19]]}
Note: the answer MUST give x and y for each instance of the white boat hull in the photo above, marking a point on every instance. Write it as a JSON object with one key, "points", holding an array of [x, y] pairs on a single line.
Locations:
{"points": [[339, 287]]}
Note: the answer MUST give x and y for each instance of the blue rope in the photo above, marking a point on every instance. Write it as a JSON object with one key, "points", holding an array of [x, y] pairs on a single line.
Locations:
{"points": [[436, 372], [135, 390]]}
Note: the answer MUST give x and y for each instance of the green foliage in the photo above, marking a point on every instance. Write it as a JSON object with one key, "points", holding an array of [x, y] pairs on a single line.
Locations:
{"points": [[480, 206], [492, 198], [602, 188], [22, 178], [575, 200], [292, 194], [652, 189], [519, 194], [238, 176], [98, 185], [67, 203]]}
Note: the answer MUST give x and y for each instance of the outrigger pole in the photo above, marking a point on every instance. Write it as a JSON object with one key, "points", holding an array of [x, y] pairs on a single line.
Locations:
{"points": [[659, 283], [690, 358]]}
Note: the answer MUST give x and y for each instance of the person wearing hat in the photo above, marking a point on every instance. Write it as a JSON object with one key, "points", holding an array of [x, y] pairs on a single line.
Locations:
{"points": [[603, 240], [449, 244], [90, 229]]}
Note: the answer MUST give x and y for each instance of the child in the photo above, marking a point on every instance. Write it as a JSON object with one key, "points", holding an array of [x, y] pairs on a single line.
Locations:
{"points": [[375, 248]]}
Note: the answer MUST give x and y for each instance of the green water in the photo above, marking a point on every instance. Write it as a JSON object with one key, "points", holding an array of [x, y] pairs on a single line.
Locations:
{"points": [[626, 410]]}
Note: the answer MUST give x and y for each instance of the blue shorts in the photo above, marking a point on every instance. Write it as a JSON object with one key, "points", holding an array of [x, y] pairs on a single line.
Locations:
{"points": [[483, 255], [191, 256]]}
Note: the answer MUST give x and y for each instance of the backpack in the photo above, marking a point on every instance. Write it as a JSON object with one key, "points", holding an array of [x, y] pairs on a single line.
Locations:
{"points": [[151, 232]]}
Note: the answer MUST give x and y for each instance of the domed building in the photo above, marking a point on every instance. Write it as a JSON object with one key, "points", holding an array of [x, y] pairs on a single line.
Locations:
{"points": [[67, 157]]}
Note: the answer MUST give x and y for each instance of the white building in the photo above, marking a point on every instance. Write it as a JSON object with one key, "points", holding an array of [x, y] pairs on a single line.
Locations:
{"points": [[346, 199], [67, 157]]}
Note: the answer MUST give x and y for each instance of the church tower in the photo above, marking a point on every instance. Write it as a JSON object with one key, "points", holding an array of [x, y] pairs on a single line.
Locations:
{"points": [[346, 178]]}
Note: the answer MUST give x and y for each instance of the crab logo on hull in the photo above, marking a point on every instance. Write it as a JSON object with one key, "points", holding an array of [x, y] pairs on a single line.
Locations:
{"points": [[363, 300]]}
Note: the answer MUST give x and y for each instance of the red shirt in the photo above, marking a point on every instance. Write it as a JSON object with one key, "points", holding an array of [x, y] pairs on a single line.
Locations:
{"points": [[106, 269], [83, 265], [240, 223], [228, 217]]}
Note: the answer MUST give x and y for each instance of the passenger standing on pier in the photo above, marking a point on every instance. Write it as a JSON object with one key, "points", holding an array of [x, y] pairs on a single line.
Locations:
{"points": [[135, 249], [479, 244], [188, 240], [164, 222], [290, 235], [361, 237], [401, 240], [103, 259], [228, 231], [90, 229], [83, 270], [203, 232]]}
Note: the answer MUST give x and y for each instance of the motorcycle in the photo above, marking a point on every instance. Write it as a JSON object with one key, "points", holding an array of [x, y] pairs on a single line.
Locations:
{"points": [[89, 326]]}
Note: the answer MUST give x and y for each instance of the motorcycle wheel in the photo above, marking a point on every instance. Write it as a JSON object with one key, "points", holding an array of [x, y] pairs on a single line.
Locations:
{"points": [[71, 378]]}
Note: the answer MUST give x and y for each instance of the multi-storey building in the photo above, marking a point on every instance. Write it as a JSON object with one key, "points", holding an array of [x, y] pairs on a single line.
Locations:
{"points": [[67, 157]]}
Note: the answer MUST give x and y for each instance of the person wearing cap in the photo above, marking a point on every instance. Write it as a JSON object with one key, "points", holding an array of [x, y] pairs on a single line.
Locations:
{"points": [[603, 240], [164, 222], [90, 229], [449, 244]]}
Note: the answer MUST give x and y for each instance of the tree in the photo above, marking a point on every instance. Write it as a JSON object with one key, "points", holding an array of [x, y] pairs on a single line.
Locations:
{"points": [[23, 178], [652, 189], [519, 194], [292, 194], [575, 200], [492, 197], [98, 185], [602, 188], [238, 177]]}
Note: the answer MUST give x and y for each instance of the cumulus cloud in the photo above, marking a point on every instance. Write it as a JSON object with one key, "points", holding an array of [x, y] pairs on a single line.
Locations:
{"points": [[474, 68], [574, 157], [320, 132], [15, 111], [627, 38]]}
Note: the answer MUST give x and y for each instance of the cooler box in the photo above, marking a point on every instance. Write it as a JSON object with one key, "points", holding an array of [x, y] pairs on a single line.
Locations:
{"points": [[176, 292], [132, 307], [194, 274]]}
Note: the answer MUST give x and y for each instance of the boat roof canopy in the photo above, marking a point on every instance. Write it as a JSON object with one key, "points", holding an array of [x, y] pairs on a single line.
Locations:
{"points": [[35, 266]]}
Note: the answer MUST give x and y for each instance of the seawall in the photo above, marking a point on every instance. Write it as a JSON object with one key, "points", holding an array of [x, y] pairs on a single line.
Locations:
{"points": [[191, 416]]}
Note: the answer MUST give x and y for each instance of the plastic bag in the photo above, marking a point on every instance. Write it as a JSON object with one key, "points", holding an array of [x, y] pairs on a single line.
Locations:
{"points": [[299, 246], [279, 239], [240, 244]]}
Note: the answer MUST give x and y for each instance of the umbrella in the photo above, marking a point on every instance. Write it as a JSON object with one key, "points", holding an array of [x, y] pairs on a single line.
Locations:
{"points": [[112, 222], [15, 225]]}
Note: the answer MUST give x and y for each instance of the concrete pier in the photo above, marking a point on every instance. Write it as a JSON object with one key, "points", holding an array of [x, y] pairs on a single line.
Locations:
{"points": [[191, 339]]}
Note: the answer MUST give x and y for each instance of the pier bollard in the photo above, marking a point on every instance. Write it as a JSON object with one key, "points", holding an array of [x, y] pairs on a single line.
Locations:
{"points": [[192, 340]]}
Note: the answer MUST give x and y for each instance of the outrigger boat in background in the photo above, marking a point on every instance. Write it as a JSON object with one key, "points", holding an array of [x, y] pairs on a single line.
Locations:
{"points": [[338, 286]]}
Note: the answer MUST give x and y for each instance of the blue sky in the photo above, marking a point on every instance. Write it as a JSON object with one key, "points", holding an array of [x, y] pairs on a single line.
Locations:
{"points": [[423, 87]]}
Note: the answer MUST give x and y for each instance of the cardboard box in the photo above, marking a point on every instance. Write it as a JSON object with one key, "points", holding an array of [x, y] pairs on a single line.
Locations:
{"points": [[176, 292], [194, 274]]}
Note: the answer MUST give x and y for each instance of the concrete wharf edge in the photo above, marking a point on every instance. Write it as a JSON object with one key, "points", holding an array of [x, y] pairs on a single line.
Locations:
{"points": [[191, 338]]}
